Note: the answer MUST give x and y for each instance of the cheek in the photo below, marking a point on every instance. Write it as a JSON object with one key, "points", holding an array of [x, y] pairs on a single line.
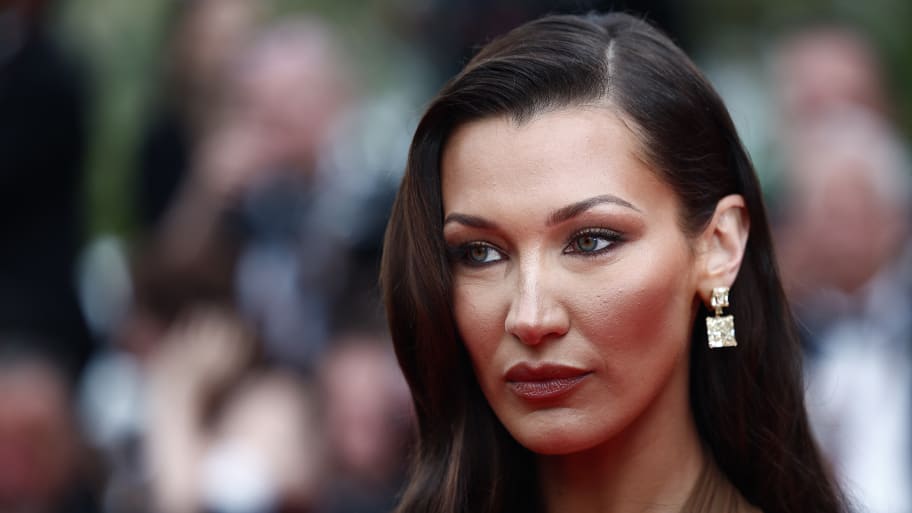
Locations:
{"points": [[480, 314], [642, 314]]}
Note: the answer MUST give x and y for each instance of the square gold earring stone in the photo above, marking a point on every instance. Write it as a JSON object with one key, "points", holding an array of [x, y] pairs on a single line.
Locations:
{"points": [[721, 331], [719, 297]]}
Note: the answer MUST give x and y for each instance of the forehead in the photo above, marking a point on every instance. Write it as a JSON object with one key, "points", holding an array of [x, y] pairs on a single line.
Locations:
{"points": [[555, 158]]}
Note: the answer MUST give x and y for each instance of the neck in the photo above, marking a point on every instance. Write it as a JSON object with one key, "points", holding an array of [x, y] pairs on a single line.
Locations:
{"points": [[651, 466]]}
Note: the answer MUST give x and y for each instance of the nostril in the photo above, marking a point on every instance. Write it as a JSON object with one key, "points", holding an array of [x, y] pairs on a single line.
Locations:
{"points": [[533, 335], [532, 327]]}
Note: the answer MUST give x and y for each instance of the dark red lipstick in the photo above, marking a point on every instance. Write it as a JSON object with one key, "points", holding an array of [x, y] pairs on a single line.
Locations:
{"points": [[544, 381]]}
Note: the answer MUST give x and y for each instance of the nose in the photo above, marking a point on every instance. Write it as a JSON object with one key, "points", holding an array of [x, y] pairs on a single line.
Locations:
{"points": [[536, 314]]}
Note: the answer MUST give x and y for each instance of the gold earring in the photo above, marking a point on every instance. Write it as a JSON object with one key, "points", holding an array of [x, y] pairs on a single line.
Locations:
{"points": [[720, 329]]}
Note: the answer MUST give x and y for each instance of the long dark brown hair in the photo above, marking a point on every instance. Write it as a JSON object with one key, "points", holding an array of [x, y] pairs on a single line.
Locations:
{"points": [[747, 402]]}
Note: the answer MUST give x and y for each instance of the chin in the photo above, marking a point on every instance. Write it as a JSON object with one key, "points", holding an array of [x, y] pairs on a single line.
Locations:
{"points": [[555, 435]]}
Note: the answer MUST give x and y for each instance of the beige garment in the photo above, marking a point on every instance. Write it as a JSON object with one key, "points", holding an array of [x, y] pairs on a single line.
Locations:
{"points": [[713, 493]]}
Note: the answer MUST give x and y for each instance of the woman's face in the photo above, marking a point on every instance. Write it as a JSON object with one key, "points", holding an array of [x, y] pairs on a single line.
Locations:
{"points": [[575, 289]]}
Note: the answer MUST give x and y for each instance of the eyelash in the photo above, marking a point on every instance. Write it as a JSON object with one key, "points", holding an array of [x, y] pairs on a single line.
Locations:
{"points": [[610, 236], [460, 253]]}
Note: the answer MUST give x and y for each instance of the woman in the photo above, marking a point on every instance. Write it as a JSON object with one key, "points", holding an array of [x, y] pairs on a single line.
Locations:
{"points": [[571, 202]]}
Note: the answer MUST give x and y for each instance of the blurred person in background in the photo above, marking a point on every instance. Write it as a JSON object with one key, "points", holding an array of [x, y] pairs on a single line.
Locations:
{"points": [[214, 424], [42, 143], [826, 68], [847, 262], [226, 435], [368, 422], [44, 467], [255, 217], [203, 38]]}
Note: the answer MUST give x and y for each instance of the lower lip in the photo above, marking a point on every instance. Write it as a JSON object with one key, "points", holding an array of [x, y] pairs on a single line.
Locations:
{"points": [[546, 389]]}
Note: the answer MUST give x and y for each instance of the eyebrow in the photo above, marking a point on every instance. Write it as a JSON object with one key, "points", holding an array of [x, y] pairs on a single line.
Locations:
{"points": [[570, 211], [558, 216], [471, 221]]}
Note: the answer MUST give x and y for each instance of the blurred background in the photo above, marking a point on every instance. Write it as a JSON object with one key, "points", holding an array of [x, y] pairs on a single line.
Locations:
{"points": [[192, 200]]}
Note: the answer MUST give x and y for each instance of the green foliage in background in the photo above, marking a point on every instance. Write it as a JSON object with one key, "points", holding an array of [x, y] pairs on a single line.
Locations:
{"points": [[120, 42]]}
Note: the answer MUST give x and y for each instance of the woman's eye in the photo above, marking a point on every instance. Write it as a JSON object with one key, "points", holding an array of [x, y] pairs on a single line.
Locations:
{"points": [[482, 254], [592, 242], [477, 253]]}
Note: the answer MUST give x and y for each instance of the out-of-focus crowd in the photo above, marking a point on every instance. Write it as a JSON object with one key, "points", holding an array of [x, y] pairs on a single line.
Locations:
{"points": [[233, 356], [843, 239]]}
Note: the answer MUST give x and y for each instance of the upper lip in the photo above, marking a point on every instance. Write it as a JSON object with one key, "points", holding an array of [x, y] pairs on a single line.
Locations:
{"points": [[525, 372]]}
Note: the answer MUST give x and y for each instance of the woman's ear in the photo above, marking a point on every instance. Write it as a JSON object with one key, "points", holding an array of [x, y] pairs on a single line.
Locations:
{"points": [[721, 246]]}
